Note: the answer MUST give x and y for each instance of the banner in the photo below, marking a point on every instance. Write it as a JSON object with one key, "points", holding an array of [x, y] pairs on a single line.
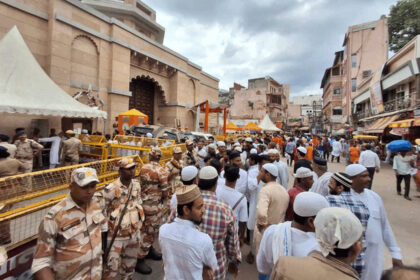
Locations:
{"points": [[375, 89]]}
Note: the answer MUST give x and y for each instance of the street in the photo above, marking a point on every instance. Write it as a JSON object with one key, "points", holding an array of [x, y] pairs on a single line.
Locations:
{"points": [[402, 214]]}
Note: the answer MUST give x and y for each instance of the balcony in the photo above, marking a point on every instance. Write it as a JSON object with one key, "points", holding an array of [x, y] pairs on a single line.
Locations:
{"points": [[361, 115], [398, 104], [276, 105]]}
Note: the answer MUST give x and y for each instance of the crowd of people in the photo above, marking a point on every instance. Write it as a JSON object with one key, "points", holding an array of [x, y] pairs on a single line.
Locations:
{"points": [[205, 203]]}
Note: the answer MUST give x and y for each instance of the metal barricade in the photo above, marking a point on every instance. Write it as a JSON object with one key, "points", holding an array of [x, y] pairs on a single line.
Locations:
{"points": [[142, 141], [22, 209]]}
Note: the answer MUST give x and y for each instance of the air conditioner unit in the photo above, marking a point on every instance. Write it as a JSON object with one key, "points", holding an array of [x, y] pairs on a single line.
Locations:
{"points": [[366, 73], [400, 88]]}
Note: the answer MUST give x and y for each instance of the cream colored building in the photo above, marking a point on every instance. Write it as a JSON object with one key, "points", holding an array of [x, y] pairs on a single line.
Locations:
{"points": [[115, 49], [263, 96]]}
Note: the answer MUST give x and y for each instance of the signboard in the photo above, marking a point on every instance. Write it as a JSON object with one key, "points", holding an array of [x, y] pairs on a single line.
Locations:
{"points": [[376, 101], [18, 263]]}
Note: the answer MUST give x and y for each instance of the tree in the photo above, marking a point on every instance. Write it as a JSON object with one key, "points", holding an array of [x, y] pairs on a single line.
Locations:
{"points": [[403, 23]]}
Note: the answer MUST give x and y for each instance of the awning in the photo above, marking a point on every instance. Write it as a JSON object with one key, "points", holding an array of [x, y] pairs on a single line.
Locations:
{"points": [[402, 123], [251, 126], [268, 125], [26, 89], [232, 126], [380, 124]]}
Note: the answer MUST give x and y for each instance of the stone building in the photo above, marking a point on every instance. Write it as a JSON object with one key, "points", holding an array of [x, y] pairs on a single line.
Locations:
{"points": [[115, 49], [263, 96]]}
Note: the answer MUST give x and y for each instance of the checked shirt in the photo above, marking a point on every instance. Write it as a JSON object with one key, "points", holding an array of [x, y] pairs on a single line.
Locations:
{"points": [[360, 210]]}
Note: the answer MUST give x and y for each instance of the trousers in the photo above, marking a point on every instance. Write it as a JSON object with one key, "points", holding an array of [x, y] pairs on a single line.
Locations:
{"points": [[122, 258], [371, 171], [407, 179]]}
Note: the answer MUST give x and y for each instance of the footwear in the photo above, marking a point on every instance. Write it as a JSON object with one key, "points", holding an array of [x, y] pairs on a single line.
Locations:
{"points": [[142, 267], [250, 258], [399, 193], [407, 197], [154, 255]]}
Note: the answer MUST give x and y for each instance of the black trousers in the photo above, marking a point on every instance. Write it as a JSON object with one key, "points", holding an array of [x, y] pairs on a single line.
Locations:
{"points": [[326, 155], [332, 158], [291, 158], [371, 171], [407, 179]]}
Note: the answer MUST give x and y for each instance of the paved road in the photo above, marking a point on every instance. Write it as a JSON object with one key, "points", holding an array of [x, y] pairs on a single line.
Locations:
{"points": [[402, 214]]}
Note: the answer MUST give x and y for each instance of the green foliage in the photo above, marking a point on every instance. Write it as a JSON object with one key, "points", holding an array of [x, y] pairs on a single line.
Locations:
{"points": [[403, 23]]}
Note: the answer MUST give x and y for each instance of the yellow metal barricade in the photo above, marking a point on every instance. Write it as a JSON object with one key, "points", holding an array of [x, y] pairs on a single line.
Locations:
{"points": [[22, 209], [86, 138], [141, 141]]}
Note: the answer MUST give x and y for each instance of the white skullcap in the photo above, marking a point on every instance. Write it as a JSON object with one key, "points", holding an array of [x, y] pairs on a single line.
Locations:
{"points": [[221, 144], [253, 151], [248, 139], [236, 144], [355, 169], [308, 204], [84, 131], [213, 146], [302, 150], [188, 173], [271, 168], [208, 173], [336, 227], [239, 149], [164, 134], [273, 151], [254, 145], [149, 135], [303, 172]]}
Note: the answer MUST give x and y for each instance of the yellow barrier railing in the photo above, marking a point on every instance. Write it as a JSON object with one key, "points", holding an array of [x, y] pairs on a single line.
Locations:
{"points": [[142, 141]]}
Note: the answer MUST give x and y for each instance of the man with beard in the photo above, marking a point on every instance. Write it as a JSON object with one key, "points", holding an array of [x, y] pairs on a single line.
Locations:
{"points": [[190, 157], [187, 252], [242, 182]]}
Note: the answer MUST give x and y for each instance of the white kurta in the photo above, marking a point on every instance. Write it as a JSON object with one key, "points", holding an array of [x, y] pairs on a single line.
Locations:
{"points": [[302, 243], [283, 178], [55, 148], [320, 185], [253, 189], [241, 183], [336, 149], [378, 226]]}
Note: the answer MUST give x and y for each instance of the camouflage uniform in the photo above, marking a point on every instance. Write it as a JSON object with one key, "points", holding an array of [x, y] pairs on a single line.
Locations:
{"points": [[154, 179], [123, 254], [69, 241], [71, 149], [27, 149], [173, 184], [190, 158]]}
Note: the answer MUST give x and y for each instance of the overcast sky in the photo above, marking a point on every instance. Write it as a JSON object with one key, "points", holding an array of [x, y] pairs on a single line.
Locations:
{"points": [[291, 40]]}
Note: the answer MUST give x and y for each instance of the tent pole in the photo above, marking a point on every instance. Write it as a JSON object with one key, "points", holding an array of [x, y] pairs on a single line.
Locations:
{"points": [[224, 121], [206, 117]]}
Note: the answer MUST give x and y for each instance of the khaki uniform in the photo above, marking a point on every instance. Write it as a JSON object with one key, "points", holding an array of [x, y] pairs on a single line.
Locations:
{"points": [[190, 158], [154, 179], [69, 241], [173, 184], [8, 167], [123, 254], [71, 149], [25, 151], [11, 148]]}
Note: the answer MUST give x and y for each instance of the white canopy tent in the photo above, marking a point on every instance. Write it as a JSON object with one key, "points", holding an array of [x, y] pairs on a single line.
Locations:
{"points": [[26, 89], [267, 125]]}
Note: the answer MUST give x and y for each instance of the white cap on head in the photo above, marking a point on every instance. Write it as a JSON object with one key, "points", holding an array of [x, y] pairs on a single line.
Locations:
{"points": [[85, 131], [213, 146], [308, 204], [188, 173], [336, 227], [238, 149], [271, 168], [164, 134], [149, 135], [273, 151], [236, 144], [84, 176], [208, 173], [253, 151], [355, 169], [221, 144], [248, 139], [302, 150], [303, 172]]}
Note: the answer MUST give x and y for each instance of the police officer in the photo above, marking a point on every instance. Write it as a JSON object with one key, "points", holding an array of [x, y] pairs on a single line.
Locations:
{"points": [[154, 192], [113, 199], [174, 167], [11, 148], [71, 148], [190, 157], [69, 242], [26, 150]]}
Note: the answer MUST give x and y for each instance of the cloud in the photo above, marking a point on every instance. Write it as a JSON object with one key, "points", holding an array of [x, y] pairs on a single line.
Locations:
{"points": [[293, 41]]}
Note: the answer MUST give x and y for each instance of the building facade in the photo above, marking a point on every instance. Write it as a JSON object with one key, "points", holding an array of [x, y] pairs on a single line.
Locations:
{"points": [[115, 50], [263, 96]]}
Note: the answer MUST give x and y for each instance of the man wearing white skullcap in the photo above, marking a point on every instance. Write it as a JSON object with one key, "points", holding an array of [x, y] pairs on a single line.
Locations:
{"points": [[338, 232], [295, 238], [283, 176], [379, 231], [302, 161], [189, 176], [304, 181], [272, 202]]}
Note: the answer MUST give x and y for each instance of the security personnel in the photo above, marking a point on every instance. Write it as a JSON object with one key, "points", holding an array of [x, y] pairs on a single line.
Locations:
{"points": [[26, 149], [124, 191], [154, 193], [190, 157], [11, 148], [174, 167], [69, 242], [71, 148]]}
